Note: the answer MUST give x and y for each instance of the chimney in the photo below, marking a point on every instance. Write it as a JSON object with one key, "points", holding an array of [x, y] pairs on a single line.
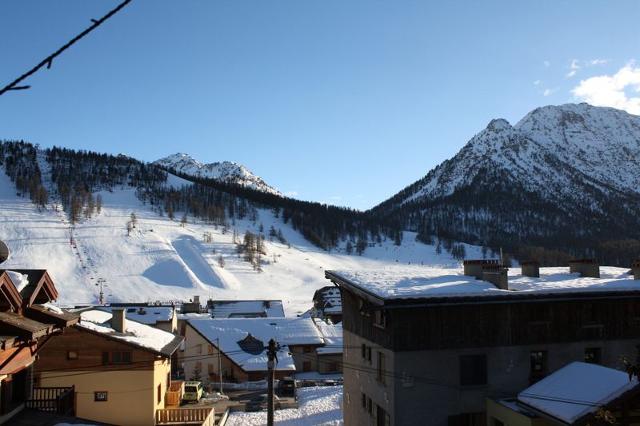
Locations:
{"points": [[585, 267], [497, 277], [119, 319], [196, 299], [530, 268], [474, 267], [635, 267]]}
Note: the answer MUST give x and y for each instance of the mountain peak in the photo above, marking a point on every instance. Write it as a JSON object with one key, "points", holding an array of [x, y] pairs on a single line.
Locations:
{"points": [[224, 171], [498, 124]]}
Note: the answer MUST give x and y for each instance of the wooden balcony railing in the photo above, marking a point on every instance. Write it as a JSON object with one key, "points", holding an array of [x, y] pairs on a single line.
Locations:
{"points": [[185, 416], [52, 400]]}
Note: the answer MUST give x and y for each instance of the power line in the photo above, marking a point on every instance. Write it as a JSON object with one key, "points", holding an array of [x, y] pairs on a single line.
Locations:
{"points": [[48, 61]]}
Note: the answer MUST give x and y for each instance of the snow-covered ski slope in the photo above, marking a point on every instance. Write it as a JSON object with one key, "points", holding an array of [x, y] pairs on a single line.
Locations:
{"points": [[163, 261]]}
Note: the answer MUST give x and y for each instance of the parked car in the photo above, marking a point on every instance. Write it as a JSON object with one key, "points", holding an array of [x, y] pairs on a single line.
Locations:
{"points": [[192, 391], [287, 387], [259, 403]]}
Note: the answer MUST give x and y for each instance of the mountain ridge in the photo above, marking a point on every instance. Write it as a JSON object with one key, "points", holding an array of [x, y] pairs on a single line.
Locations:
{"points": [[224, 171]]}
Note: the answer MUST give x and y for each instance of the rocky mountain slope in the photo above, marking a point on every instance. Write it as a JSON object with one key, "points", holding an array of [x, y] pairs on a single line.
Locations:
{"points": [[224, 171], [564, 177]]}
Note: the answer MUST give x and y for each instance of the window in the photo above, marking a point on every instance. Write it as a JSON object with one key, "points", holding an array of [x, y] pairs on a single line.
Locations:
{"points": [[72, 355], [369, 354], [210, 349], [369, 406], [380, 319], [306, 366], [199, 348], [364, 401], [105, 358], [473, 370], [538, 362], [306, 349], [593, 355], [159, 393], [364, 351], [121, 357], [382, 418], [101, 396], [381, 370]]}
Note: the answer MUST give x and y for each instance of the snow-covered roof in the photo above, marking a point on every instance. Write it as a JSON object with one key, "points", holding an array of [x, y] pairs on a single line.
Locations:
{"points": [[285, 331], [193, 315], [141, 335], [19, 280], [332, 334], [246, 308], [143, 313], [576, 390], [404, 282]]}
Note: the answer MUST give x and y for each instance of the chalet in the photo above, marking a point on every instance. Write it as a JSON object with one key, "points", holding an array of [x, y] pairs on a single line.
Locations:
{"points": [[27, 321], [245, 308], [428, 343], [577, 394], [242, 342], [119, 368], [327, 304]]}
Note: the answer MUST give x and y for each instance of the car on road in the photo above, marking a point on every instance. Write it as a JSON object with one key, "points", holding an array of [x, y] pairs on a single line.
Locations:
{"points": [[287, 387], [192, 391]]}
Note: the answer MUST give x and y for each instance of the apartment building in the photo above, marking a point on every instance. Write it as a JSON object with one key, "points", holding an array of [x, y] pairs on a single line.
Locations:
{"points": [[430, 345]]}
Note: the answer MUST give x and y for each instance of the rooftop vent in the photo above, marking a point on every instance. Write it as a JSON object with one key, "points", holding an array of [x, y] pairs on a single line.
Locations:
{"points": [[635, 268], [530, 268], [4, 252], [474, 267], [585, 267]]}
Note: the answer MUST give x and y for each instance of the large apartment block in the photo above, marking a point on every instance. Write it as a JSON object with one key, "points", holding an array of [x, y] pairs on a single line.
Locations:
{"points": [[427, 346]]}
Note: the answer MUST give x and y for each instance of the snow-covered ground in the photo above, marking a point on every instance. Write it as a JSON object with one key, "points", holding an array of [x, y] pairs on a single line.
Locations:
{"points": [[163, 261], [318, 406]]}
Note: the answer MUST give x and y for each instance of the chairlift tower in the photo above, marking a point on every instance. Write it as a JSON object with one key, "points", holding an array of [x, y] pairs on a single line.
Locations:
{"points": [[101, 283]]}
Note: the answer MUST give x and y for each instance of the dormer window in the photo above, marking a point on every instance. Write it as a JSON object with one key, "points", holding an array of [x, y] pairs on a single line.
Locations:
{"points": [[251, 345]]}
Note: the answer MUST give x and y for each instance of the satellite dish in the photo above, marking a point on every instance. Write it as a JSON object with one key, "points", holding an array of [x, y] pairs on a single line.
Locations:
{"points": [[4, 252]]}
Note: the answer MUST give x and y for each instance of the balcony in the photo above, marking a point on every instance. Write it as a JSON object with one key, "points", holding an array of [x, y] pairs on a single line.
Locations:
{"points": [[185, 416], [52, 400]]}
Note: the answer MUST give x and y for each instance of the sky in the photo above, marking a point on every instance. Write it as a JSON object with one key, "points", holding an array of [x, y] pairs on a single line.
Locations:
{"points": [[338, 101]]}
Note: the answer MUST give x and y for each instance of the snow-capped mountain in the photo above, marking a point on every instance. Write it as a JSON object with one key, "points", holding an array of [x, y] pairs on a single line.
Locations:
{"points": [[225, 171], [550, 148], [562, 172]]}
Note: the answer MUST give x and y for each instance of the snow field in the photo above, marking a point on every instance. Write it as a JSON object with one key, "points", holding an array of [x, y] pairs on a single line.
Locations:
{"points": [[163, 261], [318, 406]]}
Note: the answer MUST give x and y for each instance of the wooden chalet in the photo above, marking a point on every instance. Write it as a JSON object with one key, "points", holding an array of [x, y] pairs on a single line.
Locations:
{"points": [[27, 322], [121, 370]]}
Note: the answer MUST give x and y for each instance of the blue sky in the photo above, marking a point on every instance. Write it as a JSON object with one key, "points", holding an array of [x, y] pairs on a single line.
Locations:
{"points": [[340, 101]]}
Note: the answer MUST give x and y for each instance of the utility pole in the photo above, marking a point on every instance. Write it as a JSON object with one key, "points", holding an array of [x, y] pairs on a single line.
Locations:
{"points": [[271, 353], [219, 363]]}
